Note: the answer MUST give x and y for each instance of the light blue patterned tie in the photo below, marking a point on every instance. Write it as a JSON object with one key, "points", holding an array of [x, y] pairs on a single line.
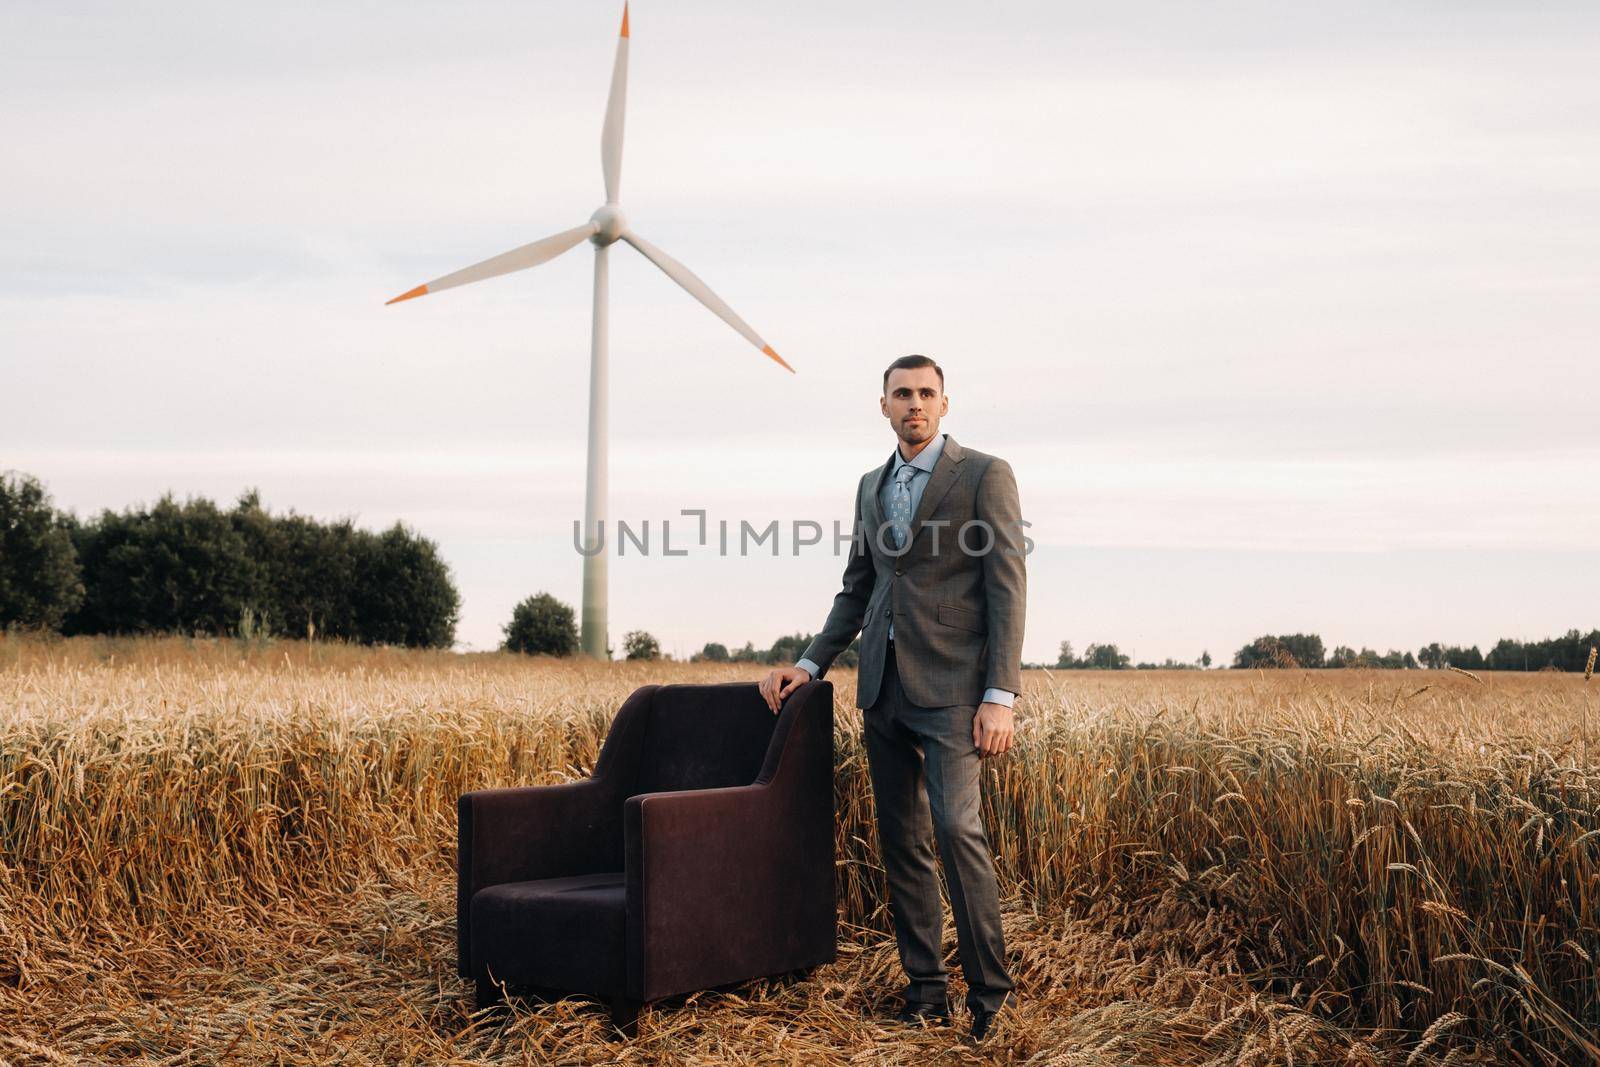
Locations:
{"points": [[900, 505]]}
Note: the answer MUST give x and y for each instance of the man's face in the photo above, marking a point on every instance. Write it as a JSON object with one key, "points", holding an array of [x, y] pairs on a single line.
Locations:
{"points": [[914, 402]]}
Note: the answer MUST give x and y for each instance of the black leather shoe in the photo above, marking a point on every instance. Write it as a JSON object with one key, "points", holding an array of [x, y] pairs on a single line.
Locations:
{"points": [[981, 1022], [917, 1012]]}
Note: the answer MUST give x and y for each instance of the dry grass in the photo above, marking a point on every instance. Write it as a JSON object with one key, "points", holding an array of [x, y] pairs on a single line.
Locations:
{"points": [[221, 852]]}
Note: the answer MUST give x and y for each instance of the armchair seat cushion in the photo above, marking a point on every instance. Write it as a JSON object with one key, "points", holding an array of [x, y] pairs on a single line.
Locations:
{"points": [[563, 933]]}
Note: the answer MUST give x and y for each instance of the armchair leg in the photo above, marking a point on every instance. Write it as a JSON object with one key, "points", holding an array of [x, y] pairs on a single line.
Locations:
{"points": [[488, 993], [625, 1016]]}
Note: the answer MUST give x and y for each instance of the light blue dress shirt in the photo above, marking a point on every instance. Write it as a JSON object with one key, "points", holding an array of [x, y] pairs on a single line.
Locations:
{"points": [[924, 463]]}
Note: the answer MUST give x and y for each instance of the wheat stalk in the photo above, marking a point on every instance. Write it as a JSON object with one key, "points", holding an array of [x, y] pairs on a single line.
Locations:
{"points": [[249, 846]]}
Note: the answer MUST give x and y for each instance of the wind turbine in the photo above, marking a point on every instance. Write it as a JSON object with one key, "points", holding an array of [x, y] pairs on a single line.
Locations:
{"points": [[604, 228]]}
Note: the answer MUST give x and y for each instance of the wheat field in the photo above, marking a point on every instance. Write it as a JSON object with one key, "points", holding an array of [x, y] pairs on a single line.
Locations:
{"points": [[216, 851]]}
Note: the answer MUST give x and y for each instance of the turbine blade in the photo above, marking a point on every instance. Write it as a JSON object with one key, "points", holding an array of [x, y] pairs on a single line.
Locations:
{"points": [[701, 292], [616, 104], [529, 255]]}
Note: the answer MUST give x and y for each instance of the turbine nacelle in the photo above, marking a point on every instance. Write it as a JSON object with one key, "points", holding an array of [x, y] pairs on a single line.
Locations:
{"points": [[612, 225]]}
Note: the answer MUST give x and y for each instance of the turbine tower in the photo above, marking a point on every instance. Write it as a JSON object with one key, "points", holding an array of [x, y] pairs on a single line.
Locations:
{"points": [[604, 228]]}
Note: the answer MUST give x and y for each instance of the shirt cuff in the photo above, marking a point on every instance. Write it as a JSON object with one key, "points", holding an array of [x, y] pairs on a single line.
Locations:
{"points": [[809, 667], [999, 696]]}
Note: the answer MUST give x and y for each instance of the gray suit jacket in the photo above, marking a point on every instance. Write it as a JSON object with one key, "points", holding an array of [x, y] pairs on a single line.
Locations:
{"points": [[958, 611]]}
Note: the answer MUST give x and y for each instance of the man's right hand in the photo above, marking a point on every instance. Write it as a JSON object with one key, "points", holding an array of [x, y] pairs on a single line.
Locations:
{"points": [[779, 683]]}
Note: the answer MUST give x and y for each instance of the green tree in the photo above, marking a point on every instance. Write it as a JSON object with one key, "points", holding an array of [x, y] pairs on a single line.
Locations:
{"points": [[1467, 659], [1305, 648], [542, 625], [1067, 661], [41, 582], [404, 595], [785, 650], [1342, 656], [1569, 652], [711, 653], [176, 568], [1286, 650], [315, 577], [261, 613], [1205, 659], [191, 567], [640, 645], [1168, 664], [1105, 658]]}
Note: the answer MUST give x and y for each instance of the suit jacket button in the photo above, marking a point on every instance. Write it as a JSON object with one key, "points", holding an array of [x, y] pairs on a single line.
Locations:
{"points": [[898, 572]]}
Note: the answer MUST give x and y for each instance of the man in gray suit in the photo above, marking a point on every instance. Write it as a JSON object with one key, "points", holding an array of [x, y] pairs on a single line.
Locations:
{"points": [[936, 575]]}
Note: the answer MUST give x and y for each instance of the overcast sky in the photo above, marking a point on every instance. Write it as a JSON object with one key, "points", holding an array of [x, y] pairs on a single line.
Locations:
{"points": [[1284, 315]]}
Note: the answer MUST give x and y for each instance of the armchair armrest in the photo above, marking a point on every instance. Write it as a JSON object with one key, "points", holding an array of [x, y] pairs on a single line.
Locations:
{"points": [[528, 832], [726, 883]]}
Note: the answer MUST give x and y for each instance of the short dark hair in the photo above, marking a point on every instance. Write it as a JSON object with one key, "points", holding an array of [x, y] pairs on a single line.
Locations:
{"points": [[909, 362]]}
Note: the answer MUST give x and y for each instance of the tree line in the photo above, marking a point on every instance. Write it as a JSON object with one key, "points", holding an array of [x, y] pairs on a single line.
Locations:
{"points": [[194, 568], [1569, 652], [1107, 657], [544, 625]]}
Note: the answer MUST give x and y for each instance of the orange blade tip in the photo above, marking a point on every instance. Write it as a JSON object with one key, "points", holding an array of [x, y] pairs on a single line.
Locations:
{"points": [[624, 18], [421, 290], [768, 350]]}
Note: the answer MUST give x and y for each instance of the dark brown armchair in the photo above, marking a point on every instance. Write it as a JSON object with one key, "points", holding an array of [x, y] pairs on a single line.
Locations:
{"points": [[699, 853]]}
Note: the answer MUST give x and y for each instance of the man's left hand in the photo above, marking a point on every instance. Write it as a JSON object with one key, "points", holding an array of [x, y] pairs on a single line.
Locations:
{"points": [[991, 729]]}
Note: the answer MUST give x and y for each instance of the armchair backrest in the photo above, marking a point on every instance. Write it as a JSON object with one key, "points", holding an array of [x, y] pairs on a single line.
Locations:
{"points": [[704, 737]]}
